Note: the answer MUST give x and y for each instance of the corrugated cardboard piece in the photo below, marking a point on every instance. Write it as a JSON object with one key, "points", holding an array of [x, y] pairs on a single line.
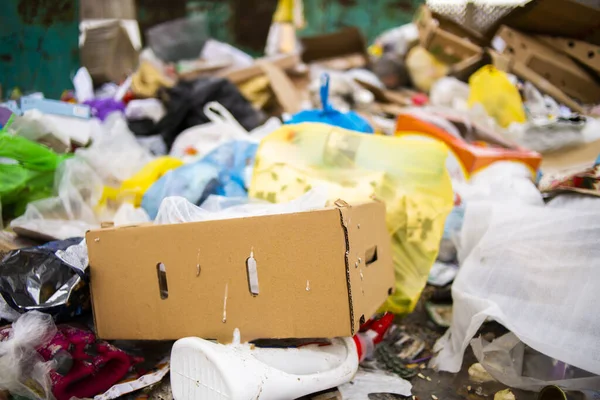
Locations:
{"points": [[554, 66], [586, 53], [342, 50], [445, 41], [577, 20], [319, 274]]}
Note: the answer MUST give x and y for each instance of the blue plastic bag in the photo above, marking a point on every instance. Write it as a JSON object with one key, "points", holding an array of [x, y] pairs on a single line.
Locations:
{"points": [[224, 171], [329, 115]]}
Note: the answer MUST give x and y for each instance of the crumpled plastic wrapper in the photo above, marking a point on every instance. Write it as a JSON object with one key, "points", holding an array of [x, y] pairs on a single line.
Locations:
{"points": [[51, 278]]}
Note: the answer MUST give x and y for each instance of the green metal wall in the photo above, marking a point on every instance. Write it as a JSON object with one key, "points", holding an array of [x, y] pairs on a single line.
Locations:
{"points": [[39, 38], [38, 45], [245, 23], [371, 16]]}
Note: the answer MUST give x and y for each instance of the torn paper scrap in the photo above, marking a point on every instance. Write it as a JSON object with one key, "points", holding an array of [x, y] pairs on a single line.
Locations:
{"points": [[366, 382]]}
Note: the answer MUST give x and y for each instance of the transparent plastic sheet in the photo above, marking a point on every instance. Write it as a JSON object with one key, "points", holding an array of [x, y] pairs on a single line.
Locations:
{"points": [[115, 154], [449, 92], [113, 157], [535, 270], [71, 212], [175, 210], [197, 141], [214, 203], [409, 175], [35, 126], [552, 134], [24, 372], [200, 140], [224, 171], [517, 365], [180, 39]]}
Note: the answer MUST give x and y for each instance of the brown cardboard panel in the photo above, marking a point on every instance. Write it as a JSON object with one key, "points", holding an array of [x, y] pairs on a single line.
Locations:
{"points": [[283, 87], [586, 53], [371, 279], [450, 48], [567, 18], [543, 85], [572, 159], [463, 31], [508, 64], [463, 70], [238, 75], [302, 275], [554, 66], [347, 42], [446, 45]]}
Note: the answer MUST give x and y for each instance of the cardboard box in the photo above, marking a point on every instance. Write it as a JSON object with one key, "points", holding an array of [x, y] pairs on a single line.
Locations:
{"points": [[567, 18], [339, 50], [320, 273], [510, 64], [442, 39], [555, 67], [586, 53]]}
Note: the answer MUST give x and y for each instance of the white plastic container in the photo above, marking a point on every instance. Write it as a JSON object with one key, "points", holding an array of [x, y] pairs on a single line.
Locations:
{"points": [[204, 370]]}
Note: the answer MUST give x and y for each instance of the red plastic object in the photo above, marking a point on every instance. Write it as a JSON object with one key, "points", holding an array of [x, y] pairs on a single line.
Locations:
{"points": [[420, 99], [365, 341]]}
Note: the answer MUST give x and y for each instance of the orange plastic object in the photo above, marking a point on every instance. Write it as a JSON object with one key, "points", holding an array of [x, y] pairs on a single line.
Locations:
{"points": [[470, 157]]}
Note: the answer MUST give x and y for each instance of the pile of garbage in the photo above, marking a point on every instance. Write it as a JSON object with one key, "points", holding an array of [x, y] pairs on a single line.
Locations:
{"points": [[191, 222]]}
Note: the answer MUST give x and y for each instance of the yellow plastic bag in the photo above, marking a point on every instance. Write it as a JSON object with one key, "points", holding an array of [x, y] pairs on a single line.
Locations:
{"points": [[494, 91], [408, 174], [132, 190]]}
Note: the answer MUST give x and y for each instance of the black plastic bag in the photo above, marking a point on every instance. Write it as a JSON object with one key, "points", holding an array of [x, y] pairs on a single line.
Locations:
{"points": [[185, 108], [50, 278]]}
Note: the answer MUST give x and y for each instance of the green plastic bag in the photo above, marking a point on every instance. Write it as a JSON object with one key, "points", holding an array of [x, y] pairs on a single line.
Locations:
{"points": [[26, 172]]}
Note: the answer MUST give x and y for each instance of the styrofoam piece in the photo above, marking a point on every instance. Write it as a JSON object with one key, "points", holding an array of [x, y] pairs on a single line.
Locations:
{"points": [[204, 370]]}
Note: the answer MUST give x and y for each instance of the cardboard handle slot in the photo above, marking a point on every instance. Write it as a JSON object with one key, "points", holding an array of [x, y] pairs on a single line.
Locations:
{"points": [[371, 255], [161, 272], [252, 275]]}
